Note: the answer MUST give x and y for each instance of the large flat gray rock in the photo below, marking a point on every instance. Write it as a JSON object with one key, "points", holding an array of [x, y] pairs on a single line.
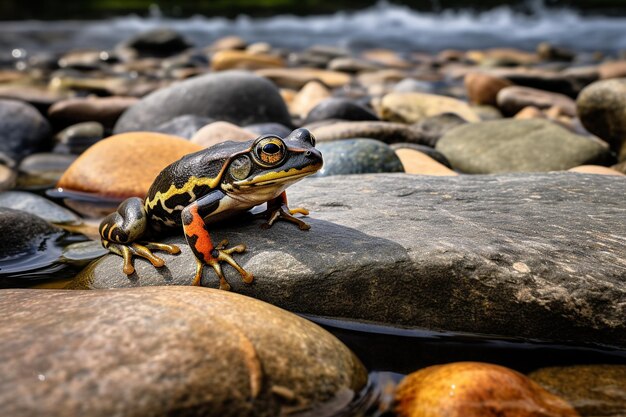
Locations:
{"points": [[540, 255]]}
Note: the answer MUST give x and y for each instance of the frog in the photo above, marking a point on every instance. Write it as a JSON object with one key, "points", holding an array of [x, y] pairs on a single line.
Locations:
{"points": [[206, 187]]}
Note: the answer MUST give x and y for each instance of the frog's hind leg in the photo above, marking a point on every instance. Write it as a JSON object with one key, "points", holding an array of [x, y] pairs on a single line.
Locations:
{"points": [[277, 209], [200, 242], [121, 230]]}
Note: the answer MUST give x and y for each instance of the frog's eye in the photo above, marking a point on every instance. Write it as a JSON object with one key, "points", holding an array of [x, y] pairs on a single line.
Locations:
{"points": [[269, 151], [240, 168]]}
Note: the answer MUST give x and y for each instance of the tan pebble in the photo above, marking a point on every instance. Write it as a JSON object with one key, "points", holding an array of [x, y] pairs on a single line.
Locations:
{"points": [[226, 60], [386, 57], [413, 107], [416, 162], [596, 169], [308, 97], [105, 110], [219, 132], [227, 43], [529, 112], [298, 77], [474, 389], [124, 165], [616, 69]]}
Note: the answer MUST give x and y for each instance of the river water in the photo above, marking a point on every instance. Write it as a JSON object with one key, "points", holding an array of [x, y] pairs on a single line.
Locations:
{"points": [[383, 25]]}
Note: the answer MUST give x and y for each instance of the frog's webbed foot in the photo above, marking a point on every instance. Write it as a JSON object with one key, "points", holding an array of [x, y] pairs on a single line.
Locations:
{"points": [[127, 251], [221, 254], [277, 210]]}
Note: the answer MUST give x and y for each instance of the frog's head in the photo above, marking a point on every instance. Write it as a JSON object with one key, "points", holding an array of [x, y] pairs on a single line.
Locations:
{"points": [[273, 163]]}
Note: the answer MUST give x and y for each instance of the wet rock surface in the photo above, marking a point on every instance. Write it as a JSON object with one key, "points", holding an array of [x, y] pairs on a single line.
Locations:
{"points": [[164, 352], [233, 96], [594, 390], [453, 253], [39, 206], [23, 233]]}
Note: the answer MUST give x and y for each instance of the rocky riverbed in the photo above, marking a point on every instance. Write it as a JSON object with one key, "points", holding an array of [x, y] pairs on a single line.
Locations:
{"points": [[478, 196]]}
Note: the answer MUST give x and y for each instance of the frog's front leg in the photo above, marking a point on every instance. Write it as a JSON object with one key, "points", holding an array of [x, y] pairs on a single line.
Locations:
{"points": [[197, 235], [121, 230], [277, 209]]}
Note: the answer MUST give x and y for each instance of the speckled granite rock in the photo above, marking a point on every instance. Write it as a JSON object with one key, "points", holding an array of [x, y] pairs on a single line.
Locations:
{"points": [[538, 255], [177, 351]]}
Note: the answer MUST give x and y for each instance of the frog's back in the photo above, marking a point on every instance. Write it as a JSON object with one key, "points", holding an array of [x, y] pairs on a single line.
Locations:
{"points": [[184, 181]]}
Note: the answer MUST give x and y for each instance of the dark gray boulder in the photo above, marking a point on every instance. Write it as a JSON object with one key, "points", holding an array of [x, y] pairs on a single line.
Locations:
{"points": [[536, 256], [23, 130], [233, 96]]}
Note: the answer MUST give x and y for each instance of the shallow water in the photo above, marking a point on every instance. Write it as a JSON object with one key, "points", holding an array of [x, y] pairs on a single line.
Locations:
{"points": [[384, 25]]}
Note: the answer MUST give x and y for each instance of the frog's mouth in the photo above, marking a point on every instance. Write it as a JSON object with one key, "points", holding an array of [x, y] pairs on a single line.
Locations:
{"points": [[278, 177]]}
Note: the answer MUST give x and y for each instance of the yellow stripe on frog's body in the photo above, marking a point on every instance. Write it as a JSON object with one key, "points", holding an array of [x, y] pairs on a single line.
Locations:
{"points": [[162, 197]]}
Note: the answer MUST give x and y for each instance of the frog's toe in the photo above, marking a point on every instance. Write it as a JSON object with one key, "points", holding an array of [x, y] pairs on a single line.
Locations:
{"points": [[171, 249], [285, 213], [221, 254]]}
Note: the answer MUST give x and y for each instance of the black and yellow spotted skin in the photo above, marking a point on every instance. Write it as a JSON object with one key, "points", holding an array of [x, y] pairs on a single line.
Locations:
{"points": [[207, 186]]}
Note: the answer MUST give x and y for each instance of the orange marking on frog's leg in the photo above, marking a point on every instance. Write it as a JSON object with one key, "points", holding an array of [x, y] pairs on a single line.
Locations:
{"points": [[199, 240]]}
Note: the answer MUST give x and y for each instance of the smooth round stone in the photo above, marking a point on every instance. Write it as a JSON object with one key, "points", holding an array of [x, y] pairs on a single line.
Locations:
{"points": [[160, 42], [432, 128], [594, 390], [228, 43], [184, 126], [352, 65], [615, 69], [595, 169], [549, 52], [77, 138], [194, 352], [432, 152], [416, 162], [513, 99], [228, 60], [232, 96], [602, 110], [298, 77], [218, 132], [483, 88], [385, 131], [269, 129], [487, 112], [39, 206], [39, 97], [534, 145], [82, 253], [307, 98], [23, 233], [340, 109], [474, 389], [124, 165], [22, 128], [7, 177], [413, 107], [105, 110], [43, 169], [357, 156], [410, 85]]}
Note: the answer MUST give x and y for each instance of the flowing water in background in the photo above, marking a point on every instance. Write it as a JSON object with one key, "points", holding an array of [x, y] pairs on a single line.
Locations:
{"points": [[383, 25]]}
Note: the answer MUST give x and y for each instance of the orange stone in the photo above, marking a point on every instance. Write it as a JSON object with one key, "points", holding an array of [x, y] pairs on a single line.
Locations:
{"points": [[484, 88], [474, 389], [124, 165], [218, 132], [225, 60]]}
